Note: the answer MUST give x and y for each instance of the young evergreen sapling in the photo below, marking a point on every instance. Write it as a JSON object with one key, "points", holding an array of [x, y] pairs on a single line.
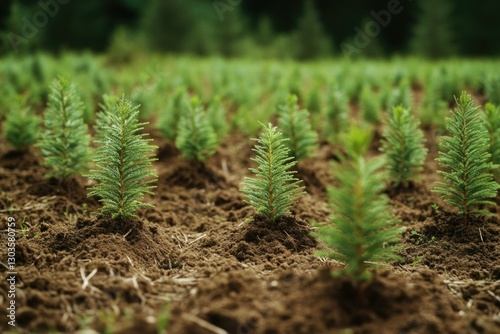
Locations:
{"points": [[400, 95], [491, 118], [217, 116], [169, 119], [370, 105], [468, 181], [107, 106], [65, 142], [21, 126], [303, 140], [196, 137], [314, 102], [123, 162], [362, 226], [403, 145], [337, 111], [274, 190]]}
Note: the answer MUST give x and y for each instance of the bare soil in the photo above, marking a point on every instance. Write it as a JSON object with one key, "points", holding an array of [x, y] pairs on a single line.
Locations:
{"points": [[202, 255]]}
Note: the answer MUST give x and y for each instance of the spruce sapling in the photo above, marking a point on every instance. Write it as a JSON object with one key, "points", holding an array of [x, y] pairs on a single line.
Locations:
{"points": [[403, 145], [401, 95], [21, 126], [196, 137], [217, 116], [468, 181], [169, 119], [370, 105], [303, 140], [337, 111], [65, 142], [124, 162], [274, 190], [362, 226], [314, 102], [491, 118], [109, 103]]}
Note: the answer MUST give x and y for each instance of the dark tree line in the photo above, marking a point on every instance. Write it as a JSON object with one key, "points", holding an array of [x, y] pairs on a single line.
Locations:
{"points": [[300, 29]]}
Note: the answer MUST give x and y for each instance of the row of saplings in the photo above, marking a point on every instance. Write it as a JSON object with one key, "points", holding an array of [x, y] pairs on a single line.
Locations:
{"points": [[362, 228]]}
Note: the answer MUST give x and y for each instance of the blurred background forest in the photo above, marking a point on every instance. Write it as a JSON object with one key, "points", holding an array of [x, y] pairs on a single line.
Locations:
{"points": [[299, 29]]}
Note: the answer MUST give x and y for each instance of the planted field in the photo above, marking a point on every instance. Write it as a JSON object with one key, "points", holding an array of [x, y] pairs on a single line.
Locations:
{"points": [[342, 230]]}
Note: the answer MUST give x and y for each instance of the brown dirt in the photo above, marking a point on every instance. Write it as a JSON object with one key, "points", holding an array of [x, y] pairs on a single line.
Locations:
{"points": [[203, 254]]}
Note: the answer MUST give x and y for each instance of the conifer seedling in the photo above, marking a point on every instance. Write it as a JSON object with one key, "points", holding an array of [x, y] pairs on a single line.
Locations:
{"points": [[362, 227], [123, 162], [491, 118], [294, 123], [217, 118], [169, 119], [400, 95], [337, 111], [65, 142], [466, 166], [403, 146], [196, 137], [370, 105], [274, 190], [21, 126]]}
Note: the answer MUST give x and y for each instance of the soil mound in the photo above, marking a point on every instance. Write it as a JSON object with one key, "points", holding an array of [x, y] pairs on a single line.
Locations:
{"points": [[241, 302], [464, 250], [261, 238]]}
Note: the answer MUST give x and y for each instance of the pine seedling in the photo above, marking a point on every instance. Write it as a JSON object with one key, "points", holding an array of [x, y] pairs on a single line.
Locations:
{"points": [[403, 144], [108, 104], [274, 190], [168, 123], [217, 116], [314, 102], [370, 105], [196, 137], [401, 95], [21, 126], [65, 142], [336, 114], [303, 140], [491, 118], [468, 181], [123, 162], [362, 227]]}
